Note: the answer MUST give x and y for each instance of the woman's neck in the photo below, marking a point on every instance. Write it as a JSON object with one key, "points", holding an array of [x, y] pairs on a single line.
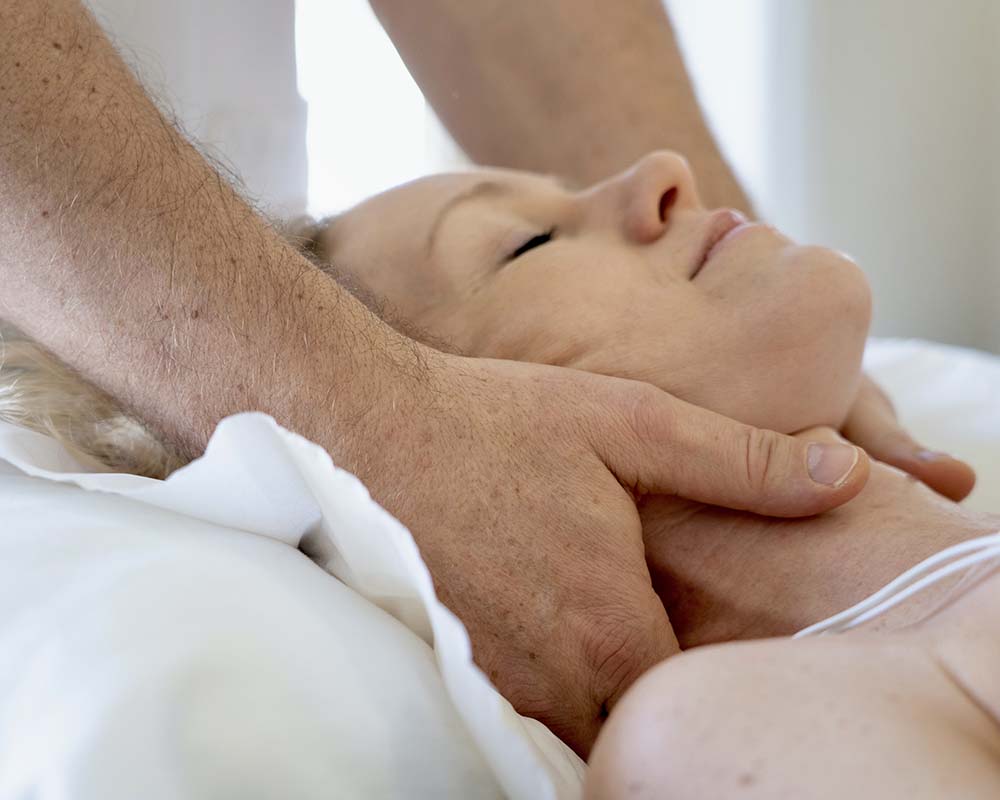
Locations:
{"points": [[726, 575]]}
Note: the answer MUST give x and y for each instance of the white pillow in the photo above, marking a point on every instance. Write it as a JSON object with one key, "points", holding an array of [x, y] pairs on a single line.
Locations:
{"points": [[166, 639]]}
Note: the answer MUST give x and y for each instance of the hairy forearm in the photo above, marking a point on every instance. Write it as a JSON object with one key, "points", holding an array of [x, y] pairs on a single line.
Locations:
{"points": [[577, 88], [126, 255]]}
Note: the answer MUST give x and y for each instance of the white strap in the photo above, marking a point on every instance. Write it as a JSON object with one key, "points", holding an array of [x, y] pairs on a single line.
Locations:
{"points": [[970, 557]]}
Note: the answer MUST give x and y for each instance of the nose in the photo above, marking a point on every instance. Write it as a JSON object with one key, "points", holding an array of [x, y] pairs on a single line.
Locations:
{"points": [[651, 193]]}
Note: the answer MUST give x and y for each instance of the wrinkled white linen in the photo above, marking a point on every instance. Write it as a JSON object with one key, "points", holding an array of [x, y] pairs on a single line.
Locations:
{"points": [[166, 639]]}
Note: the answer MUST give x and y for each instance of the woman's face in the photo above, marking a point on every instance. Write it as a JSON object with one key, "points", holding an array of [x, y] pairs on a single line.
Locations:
{"points": [[631, 277]]}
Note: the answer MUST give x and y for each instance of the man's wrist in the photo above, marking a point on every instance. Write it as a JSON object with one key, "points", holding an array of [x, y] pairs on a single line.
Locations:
{"points": [[359, 383]]}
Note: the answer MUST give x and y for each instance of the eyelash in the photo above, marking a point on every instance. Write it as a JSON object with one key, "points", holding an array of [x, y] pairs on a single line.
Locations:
{"points": [[532, 243]]}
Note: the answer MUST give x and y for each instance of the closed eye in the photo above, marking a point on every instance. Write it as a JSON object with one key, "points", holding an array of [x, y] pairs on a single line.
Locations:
{"points": [[532, 243]]}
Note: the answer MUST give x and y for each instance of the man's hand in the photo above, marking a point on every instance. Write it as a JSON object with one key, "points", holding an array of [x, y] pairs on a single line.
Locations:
{"points": [[872, 424], [518, 482], [127, 257]]}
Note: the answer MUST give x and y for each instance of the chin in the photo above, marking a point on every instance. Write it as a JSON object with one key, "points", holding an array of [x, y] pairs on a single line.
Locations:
{"points": [[791, 357], [791, 402], [812, 373], [822, 403]]}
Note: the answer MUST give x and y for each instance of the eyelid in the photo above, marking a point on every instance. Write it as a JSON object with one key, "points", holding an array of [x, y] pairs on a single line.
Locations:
{"points": [[535, 241]]}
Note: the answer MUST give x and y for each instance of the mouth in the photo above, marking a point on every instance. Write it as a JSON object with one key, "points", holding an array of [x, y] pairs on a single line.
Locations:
{"points": [[722, 225]]}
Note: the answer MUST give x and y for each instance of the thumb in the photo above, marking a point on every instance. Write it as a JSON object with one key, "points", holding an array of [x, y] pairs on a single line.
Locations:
{"points": [[672, 447]]}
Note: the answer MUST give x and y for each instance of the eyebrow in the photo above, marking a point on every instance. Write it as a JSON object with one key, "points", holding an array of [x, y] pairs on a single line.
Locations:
{"points": [[483, 188], [480, 189]]}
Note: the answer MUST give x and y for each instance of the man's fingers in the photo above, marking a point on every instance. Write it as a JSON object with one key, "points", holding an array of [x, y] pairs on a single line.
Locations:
{"points": [[941, 472], [673, 447], [614, 645], [872, 424]]}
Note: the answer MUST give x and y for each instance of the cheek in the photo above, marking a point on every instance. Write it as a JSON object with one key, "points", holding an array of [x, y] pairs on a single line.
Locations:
{"points": [[824, 325], [533, 315]]}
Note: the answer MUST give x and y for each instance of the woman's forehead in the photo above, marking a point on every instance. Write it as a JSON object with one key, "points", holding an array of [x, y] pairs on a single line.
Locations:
{"points": [[398, 226], [382, 240], [399, 213], [420, 202]]}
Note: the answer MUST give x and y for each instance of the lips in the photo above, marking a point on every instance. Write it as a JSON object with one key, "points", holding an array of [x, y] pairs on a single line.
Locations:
{"points": [[720, 224]]}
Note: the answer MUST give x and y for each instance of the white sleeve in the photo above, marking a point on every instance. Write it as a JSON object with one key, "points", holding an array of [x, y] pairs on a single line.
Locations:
{"points": [[227, 70]]}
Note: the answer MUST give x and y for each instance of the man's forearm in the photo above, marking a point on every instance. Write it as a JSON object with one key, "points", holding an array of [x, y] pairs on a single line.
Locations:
{"points": [[581, 88], [125, 254]]}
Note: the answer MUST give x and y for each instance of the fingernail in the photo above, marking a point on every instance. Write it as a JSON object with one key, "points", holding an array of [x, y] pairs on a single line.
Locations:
{"points": [[830, 464], [930, 455]]}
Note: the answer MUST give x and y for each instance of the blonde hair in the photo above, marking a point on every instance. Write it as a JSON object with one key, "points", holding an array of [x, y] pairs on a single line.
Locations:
{"points": [[39, 392]]}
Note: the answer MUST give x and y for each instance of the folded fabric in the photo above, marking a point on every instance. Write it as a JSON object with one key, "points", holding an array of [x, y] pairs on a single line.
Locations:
{"points": [[167, 639]]}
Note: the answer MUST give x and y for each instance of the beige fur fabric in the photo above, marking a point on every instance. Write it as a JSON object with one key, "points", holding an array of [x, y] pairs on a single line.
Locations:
{"points": [[39, 392]]}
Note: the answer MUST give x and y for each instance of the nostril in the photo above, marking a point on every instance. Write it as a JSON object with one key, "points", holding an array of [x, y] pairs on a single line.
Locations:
{"points": [[666, 201]]}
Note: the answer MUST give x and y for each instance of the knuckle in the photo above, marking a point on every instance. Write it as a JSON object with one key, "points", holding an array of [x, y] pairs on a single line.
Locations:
{"points": [[528, 692], [616, 651], [760, 458], [549, 693], [649, 417], [521, 679]]}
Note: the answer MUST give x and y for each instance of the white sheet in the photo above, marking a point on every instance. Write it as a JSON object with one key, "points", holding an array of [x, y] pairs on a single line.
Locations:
{"points": [[165, 639]]}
